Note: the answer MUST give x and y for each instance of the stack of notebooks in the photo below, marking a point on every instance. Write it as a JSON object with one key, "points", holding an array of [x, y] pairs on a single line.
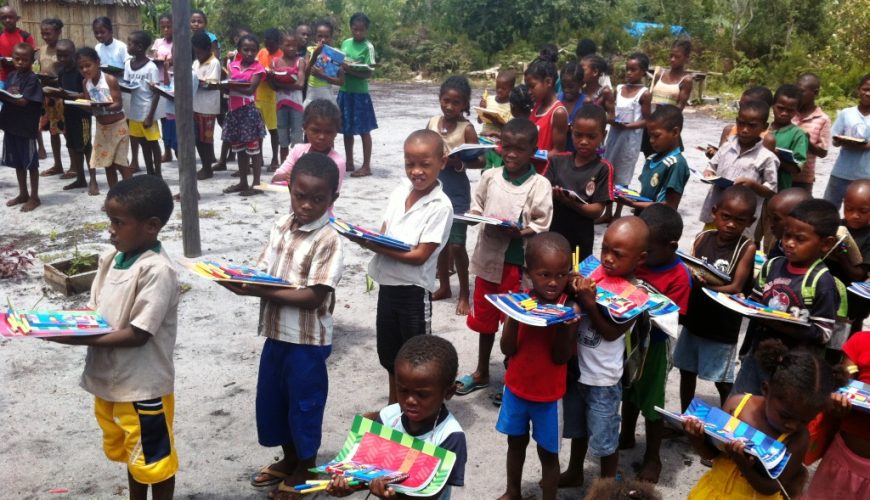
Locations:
{"points": [[858, 393], [372, 450], [860, 288], [234, 273], [626, 193], [699, 265], [529, 310], [723, 428], [16, 323], [753, 309], [483, 219], [351, 231]]}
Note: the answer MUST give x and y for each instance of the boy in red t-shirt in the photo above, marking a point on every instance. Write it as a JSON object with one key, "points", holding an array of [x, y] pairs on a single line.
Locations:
{"points": [[667, 273], [537, 367], [9, 38]]}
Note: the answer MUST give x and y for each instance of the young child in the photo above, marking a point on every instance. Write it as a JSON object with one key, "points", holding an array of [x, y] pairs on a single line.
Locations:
{"points": [[513, 192], [590, 408], [816, 123], [206, 101], [587, 175], [843, 472], [667, 273], [112, 52], [800, 386], [161, 54], [292, 382], [426, 367], [77, 121], [321, 122], [265, 98], [549, 115], [521, 101], [709, 348], [571, 96], [744, 160], [778, 207], [244, 128], [757, 93], [51, 30], [288, 92], [11, 36], [630, 115], [799, 284], [354, 101], [536, 369], [594, 66], [856, 215], [665, 174], [673, 85], [143, 101], [853, 162], [111, 137], [19, 120], [319, 84], [130, 370], [303, 34], [498, 106], [418, 213], [788, 135], [454, 97], [199, 24]]}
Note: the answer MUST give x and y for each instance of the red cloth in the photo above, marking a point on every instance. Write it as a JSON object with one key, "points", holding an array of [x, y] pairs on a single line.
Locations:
{"points": [[8, 41], [545, 131], [531, 373], [674, 280], [857, 348], [484, 317]]}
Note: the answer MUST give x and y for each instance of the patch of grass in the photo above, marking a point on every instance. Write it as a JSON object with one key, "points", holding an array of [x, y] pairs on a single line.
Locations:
{"points": [[90, 227], [184, 288]]}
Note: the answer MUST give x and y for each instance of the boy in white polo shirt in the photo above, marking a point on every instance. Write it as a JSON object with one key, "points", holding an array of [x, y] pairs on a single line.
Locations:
{"points": [[419, 214]]}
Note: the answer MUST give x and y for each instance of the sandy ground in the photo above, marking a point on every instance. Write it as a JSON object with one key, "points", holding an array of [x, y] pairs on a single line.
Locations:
{"points": [[49, 438]]}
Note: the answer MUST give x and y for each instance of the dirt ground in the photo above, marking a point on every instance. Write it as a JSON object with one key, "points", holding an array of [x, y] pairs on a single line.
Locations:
{"points": [[49, 438]]}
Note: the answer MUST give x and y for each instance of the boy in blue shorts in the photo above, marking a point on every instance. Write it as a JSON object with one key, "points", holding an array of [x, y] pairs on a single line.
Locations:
{"points": [[297, 323], [591, 404], [667, 273], [130, 370], [537, 370]]}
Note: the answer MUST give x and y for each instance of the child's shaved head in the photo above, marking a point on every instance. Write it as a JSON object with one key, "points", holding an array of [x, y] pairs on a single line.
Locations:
{"points": [[859, 188], [428, 137], [631, 226], [624, 246], [508, 76], [548, 243]]}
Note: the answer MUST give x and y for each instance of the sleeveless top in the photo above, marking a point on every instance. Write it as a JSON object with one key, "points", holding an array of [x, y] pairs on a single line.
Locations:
{"points": [[628, 108], [103, 85], [545, 130], [287, 97], [667, 93]]}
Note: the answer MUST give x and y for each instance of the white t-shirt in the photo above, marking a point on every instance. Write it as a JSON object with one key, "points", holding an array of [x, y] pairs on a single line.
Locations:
{"points": [[141, 98], [600, 360], [207, 102], [428, 221], [114, 54]]}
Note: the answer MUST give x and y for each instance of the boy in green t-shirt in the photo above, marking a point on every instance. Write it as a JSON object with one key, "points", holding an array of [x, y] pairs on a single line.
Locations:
{"points": [[791, 140], [357, 112]]}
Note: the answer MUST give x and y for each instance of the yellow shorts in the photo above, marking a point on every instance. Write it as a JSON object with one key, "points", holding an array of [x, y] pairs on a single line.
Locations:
{"points": [[140, 434], [266, 102], [137, 129]]}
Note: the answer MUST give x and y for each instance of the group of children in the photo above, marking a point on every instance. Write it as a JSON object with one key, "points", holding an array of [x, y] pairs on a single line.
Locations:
{"points": [[549, 176]]}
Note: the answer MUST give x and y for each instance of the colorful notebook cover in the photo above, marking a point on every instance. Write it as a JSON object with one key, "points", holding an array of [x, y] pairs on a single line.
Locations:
{"points": [[723, 428], [860, 288], [751, 308], [17, 323], [710, 273], [526, 309], [234, 273], [858, 393], [347, 229], [329, 61], [389, 451], [619, 297], [626, 193], [483, 219]]}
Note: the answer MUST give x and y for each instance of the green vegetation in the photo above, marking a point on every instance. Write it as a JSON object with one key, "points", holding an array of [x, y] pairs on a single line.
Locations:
{"points": [[748, 41]]}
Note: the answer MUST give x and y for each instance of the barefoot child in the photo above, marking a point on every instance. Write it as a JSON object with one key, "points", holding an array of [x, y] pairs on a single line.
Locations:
{"points": [[354, 101], [288, 93], [799, 387], [425, 370], [632, 110], [144, 131], [418, 213], [587, 175], [19, 120], [111, 138], [206, 101], [515, 193], [667, 273], [51, 31], [130, 370], [321, 122], [455, 99], [708, 349], [292, 382], [536, 370]]}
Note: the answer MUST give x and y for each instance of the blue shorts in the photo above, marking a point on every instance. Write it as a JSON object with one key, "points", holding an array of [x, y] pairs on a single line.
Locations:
{"points": [[516, 413], [711, 360], [593, 412], [291, 396]]}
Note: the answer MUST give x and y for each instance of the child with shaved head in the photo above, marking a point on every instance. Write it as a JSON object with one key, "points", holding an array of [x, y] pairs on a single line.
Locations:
{"points": [[856, 212]]}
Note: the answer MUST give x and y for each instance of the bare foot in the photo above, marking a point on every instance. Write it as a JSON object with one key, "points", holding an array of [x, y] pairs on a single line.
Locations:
{"points": [[626, 442], [32, 203], [75, 185], [462, 307], [650, 471], [69, 175], [219, 167], [250, 192], [18, 200], [571, 479], [204, 173], [55, 170], [167, 156], [362, 172], [236, 174], [235, 188], [41, 154], [442, 293], [93, 188]]}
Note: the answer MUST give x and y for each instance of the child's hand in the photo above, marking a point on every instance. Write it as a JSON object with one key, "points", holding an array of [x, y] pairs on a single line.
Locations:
{"points": [[511, 232], [693, 427], [736, 450], [841, 405], [482, 103], [586, 290], [338, 486], [149, 120], [281, 178], [381, 488], [710, 173], [710, 152]]}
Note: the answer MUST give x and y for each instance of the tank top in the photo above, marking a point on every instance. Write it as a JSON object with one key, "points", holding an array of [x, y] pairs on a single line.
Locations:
{"points": [[628, 108], [667, 93], [545, 130], [287, 97], [103, 85]]}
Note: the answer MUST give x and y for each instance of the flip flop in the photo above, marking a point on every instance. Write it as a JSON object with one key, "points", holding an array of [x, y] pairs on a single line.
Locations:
{"points": [[277, 477], [495, 397], [466, 385]]}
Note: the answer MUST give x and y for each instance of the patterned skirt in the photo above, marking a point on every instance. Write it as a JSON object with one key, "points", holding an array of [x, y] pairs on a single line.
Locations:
{"points": [[243, 125], [357, 113]]}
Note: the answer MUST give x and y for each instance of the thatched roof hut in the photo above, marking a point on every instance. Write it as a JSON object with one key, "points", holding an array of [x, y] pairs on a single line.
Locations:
{"points": [[77, 16]]}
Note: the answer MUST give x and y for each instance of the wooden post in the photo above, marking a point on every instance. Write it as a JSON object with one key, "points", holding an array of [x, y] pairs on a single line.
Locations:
{"points": [[182, 61]]}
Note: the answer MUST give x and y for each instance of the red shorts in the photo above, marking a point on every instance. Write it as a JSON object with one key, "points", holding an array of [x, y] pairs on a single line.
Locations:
{"points": [[484, 317]]}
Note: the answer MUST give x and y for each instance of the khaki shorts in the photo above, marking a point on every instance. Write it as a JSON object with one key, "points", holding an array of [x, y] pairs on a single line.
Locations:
{"points": [[111, 143]]}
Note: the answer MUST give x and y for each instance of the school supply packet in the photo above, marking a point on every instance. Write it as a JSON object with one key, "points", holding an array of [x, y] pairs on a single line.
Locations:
{"points": [[858, 393], [373, 450], [847, 245], [752, 309], [483, 219], [329, 61], [20, 323], [710, 273], [723, 428], [529, 310], [234, 273], [349, 230], [860, 288], [627, 193]]}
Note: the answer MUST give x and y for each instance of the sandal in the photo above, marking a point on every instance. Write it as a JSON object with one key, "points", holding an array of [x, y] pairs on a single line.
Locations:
{"points": [[495, 397], [466, 385], [235, 188], [277, 477]]}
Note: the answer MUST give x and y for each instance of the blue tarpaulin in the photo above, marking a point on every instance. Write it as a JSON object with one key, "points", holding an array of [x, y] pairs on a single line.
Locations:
{"points": [[637, 29]]}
